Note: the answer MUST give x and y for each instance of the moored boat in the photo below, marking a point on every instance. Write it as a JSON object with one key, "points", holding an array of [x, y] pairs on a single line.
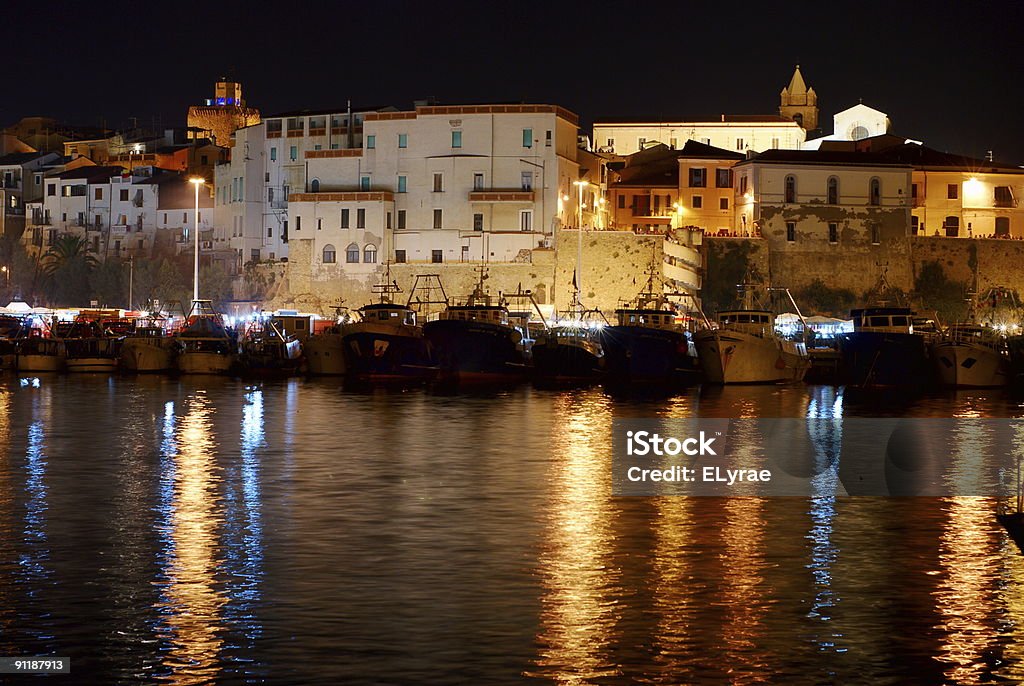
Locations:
{"points": [[204, 345], [971, 356], [37, 353], [267, 351], [149, 348], [92, 343], [570, 350], [884, 350]]}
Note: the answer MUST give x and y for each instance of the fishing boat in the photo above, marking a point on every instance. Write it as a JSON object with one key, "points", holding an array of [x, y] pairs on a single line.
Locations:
{"points": [[148, 348], [570, 350], [971, 355], [39, 352], [205, 345], [650, 341], [92, 342], [475, 342], [323, 349], [884, 350], [266, 350], [387, 343], [10, 328], [744, 347]]}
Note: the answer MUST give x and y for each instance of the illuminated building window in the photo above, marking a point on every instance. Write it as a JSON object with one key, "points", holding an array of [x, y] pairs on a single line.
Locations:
{"points": [[403, 184], [401, 219], [951, 226], [740, 144], [344, 218], [314, 186], [697, 202], [400, 256], [438, 219], [273, 154], [547, 138], [403, 140], [743, 184], [875, 192], [723, 178], [1002, 226], [371, 142], [436, 256], [833, 191], [775, 144], [790, 195], [478, 181], [526, 180], [361, 218], [456, 139], [527, 138], [952, 191], [1003, 196], [352, 254], [438, 182], [293, 153], [622, 201], [723, 203], [370, 254], [698, 177], [478, 222], [364, 182], [526, 220], [915, 225]]}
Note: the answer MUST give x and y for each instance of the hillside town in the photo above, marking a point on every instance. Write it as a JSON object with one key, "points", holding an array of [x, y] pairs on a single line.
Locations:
{"points": [[304, 208]]}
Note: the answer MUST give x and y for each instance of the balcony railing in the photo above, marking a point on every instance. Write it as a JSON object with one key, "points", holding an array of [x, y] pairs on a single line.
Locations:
{"points": [[501, 195]]}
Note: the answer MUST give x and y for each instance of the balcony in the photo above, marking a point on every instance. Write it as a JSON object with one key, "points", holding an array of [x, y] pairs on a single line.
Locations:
{"points": [[295, 133], [321, 131], [327, 154], [1006, 203], [119, 229], [517, 195], [343, 196]]}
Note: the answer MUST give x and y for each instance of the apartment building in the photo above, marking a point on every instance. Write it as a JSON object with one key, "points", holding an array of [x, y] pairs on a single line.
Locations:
{"points": [[21, 182]]}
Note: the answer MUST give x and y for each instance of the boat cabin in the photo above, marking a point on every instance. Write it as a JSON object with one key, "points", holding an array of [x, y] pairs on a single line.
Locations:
{"points": [[755, 322], [647, 318], [494, 314], [295, 325], [883, 319], [389, 313]]}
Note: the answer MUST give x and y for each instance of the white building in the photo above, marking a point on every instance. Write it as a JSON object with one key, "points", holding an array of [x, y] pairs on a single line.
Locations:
{"points": [[739, 133], [21, 182], [854, 124], [441, 184]]}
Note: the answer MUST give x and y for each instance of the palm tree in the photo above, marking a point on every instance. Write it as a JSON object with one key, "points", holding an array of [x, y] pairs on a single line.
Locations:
{"points": [[66, 249]]}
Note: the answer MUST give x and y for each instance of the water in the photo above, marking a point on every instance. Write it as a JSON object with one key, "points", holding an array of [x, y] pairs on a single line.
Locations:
{"points": [[210, 531]]}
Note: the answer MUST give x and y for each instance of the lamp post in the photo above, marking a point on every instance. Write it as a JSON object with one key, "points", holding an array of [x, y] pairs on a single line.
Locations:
{"points": [[7, 274], [196, 181]]}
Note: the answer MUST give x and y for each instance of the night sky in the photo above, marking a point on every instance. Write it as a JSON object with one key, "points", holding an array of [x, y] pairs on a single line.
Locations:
{"points": [[947, 73]]}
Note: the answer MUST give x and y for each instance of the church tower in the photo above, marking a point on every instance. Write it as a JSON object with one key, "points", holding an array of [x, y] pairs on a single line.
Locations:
{"points": [[799, 103]]}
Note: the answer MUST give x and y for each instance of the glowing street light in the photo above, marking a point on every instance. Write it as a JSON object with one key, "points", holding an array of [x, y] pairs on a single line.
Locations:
{"points": [[196, 181]]}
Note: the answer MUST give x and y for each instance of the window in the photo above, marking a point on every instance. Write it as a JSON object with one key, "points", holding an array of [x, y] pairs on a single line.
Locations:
{"points": [[698, 177], [51, 189], [1002, 226], [364, 182], [270, 195], [913, 192], [456, 139], [403, 184], [123, 195], [344, 218], [622, 201], [361, 218], [791, 231], [352, 254], [1003, 196], [697, 202], [371, 142], [833, 232], [436, 256], [673, 142], [547, 138], [526, 180], [314, 185], [775, 144], [284, 231], [403, 140], [319, 224], [370, 254], [723, 203], [915, 225], [438, 182], [254, 254], [67, 191], [952, 226], [330, 257], [184, 217], [400, 256], [875, 192], [723, 178], [298, 223], [876, 234], [401, 219], [611, 143], [952, 191], [833, 191], [739, 144], [98, 194], [478, 222], [478, 181], [790, 194], [743, 184], [437, 219], [640, 143], [527, 138], [293, 153], [526, 220], [273, 154]]}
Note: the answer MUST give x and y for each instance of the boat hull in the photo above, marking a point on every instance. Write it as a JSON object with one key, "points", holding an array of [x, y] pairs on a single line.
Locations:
{"points": [[963, 365], [474, 351], [647, 355], [146, 358], [276, 358], [197, 362], [735, 357], [566, 360], [876, 359], [90, 365], [39, 363], [324, 355], [377, 353]]}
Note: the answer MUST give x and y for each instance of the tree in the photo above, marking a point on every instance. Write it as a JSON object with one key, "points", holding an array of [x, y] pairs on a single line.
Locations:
{"points": [[67, 266]]}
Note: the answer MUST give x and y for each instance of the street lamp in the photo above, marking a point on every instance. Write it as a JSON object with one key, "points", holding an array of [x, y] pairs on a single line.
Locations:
{"points": [[196, 181], [7, 273]]}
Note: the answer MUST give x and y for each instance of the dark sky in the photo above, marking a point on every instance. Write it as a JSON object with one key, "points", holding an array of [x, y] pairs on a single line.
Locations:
{"points": [[948, 73]]}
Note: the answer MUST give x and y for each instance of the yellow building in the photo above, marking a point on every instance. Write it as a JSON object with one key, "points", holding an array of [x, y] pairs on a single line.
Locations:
{"points": [[223, 114]]}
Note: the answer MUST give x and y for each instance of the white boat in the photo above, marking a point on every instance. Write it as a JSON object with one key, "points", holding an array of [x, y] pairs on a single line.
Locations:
{"points": [[325, 354], [205, 346], [746, 349], [971, 356], [37, 354], [148, 350], [90, 346]]}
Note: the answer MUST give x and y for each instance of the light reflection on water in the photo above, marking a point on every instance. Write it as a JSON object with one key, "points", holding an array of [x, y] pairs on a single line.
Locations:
{"points": [[297, 533]]}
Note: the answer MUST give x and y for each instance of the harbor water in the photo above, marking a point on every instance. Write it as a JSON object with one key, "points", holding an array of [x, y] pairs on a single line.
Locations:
{"points": [[209, 530]]}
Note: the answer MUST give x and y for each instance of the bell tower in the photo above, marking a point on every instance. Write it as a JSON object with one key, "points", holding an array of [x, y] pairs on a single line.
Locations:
{"points": [[799, 103]]}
